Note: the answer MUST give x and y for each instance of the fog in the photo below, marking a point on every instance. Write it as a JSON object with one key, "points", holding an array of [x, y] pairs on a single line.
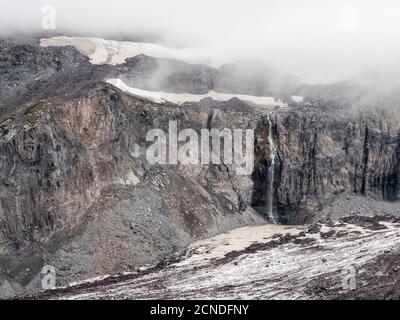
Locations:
{"points": [[316, 40]]}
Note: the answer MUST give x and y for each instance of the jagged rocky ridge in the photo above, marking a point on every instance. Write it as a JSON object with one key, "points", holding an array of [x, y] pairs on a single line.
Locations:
{"points": [[74, 194]]}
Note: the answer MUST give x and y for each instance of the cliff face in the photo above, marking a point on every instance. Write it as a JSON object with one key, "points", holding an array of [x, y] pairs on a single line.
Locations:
{"points": [[57, 159], [75, 181], [77, 190], [322, 154]]}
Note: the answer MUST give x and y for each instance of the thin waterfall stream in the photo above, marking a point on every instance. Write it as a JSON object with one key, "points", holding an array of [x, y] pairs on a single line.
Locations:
{"points": [[271, 173]]}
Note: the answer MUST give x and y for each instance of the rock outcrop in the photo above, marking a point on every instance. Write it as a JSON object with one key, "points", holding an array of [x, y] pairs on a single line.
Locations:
{"points": [[325, 153]]}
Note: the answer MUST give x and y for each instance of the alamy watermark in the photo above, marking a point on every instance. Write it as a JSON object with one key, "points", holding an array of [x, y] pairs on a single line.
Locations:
{"points": [[349, 278], [49, 277], [49, 17], [188, 148], [349, 18]]}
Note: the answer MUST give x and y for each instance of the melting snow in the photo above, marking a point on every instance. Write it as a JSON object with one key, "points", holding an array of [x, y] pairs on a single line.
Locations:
{"points": [[179, 98], [101, 51], [235, 240]]}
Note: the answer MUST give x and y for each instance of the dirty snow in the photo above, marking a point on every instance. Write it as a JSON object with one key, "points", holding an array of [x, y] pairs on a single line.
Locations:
{"points": [[281, 271], [236, 240], [180, 98], [101, 51]]}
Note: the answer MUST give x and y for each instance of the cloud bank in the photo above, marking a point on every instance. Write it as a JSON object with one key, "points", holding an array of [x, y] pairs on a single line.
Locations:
{"points": [[316, 40]]}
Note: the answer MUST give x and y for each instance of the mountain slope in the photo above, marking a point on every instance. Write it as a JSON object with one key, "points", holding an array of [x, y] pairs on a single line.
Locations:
{"points": [[77, 191]]}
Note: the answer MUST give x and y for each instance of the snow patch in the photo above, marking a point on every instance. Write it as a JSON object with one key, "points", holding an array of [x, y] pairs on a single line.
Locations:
{"points": [[180, 98], [101, 51]]}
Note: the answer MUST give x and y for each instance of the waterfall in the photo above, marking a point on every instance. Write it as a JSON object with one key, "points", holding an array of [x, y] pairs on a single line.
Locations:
{"points": [[271, 173]]}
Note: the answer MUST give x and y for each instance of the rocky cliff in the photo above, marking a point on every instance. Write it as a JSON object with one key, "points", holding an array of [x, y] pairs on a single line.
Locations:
{"points": [[77, 169]]}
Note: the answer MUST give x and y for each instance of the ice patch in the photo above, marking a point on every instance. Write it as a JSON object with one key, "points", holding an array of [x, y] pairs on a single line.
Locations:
{"points": [[236, 240]]}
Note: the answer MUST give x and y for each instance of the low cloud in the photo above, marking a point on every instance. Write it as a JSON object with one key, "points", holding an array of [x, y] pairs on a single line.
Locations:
{"points": [[318, 41]]}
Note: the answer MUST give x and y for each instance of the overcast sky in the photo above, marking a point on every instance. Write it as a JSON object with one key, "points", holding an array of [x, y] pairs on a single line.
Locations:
{"points": [[318, 40]]}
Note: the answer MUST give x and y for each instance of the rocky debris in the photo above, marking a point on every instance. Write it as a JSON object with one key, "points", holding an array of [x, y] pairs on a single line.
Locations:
{"points": [[30, 73], [349, 204], [313, 269], [304, 241], [326, 235], [314, 228], [372, 223], [79, 152], [378, 279]]}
